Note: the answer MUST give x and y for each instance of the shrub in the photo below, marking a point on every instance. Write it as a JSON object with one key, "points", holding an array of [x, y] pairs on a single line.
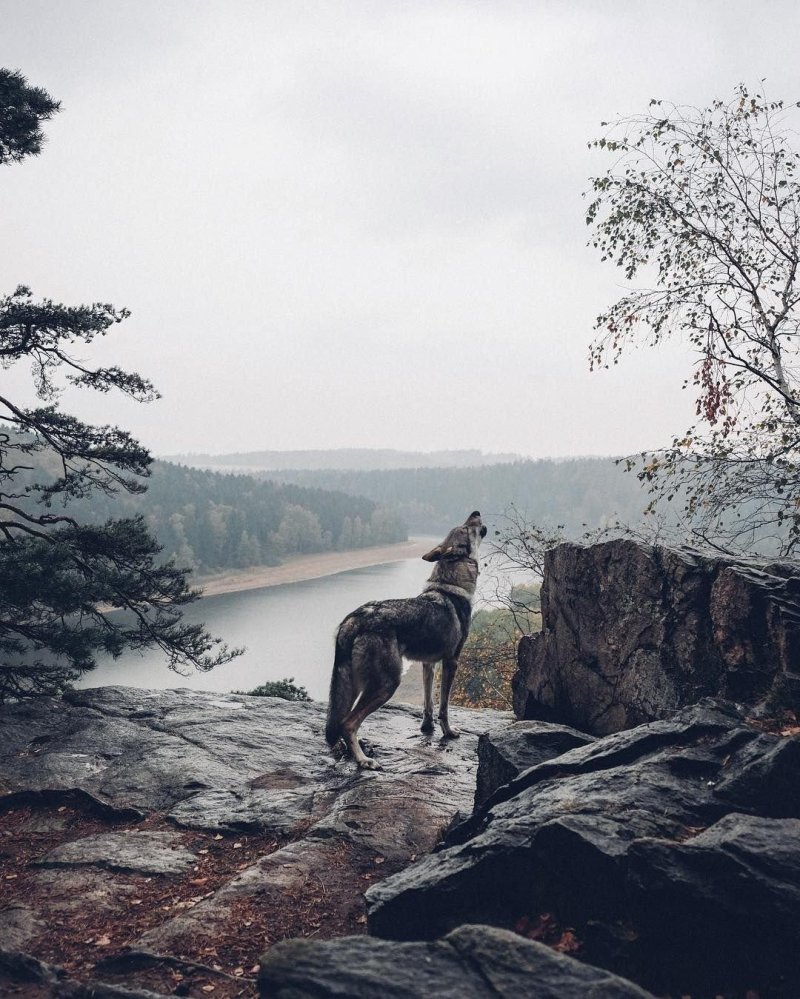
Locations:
{"points": [[285, 688]]}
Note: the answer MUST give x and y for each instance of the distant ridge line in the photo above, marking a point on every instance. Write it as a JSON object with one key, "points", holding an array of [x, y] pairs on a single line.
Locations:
{"points": [[344, 459]]}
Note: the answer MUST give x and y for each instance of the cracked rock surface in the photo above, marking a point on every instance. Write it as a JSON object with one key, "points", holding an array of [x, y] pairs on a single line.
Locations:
{"points": [[169, 819], [669, 853]]}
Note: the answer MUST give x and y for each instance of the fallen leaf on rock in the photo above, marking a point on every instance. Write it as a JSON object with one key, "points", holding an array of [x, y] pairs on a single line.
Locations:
{"points": [[255, 969], [103, 941], [208, 988], [567, 943], [238, 971], [217, 837]]}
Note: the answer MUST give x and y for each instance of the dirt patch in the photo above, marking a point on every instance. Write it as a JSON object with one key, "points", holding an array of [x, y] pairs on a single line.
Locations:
{"points": [[104, 921], [94, 917]]}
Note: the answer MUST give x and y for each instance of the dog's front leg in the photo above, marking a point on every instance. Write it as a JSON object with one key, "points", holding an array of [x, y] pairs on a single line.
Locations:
{"points": [[427, 691], [449, 667]]}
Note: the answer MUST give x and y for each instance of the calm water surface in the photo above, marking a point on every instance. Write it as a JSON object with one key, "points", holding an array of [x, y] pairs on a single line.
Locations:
{"points": [[288, 631]]}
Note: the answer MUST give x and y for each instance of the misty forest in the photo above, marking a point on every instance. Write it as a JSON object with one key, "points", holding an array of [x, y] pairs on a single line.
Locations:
{"points": [[429, 622]]}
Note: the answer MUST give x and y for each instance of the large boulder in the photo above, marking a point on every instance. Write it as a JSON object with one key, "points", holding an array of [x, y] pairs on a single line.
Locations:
{"points": [[473, 962], [723, 905], [632, 632], [580, 845]]}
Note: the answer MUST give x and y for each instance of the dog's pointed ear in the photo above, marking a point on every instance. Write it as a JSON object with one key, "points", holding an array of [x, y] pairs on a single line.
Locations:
{"points": [[434, 554]]}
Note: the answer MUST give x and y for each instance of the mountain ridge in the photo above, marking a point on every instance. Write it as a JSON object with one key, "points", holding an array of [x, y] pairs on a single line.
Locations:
{"points": [[366, 459]]}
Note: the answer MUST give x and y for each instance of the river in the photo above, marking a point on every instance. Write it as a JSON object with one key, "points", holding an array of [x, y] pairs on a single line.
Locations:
{"points": [[288, 631]]}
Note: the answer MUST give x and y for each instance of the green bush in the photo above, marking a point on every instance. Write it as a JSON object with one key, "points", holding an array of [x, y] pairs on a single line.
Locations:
{"points": [[285, 688]]}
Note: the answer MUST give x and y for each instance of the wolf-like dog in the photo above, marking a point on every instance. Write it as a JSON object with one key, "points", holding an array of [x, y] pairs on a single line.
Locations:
{"points": [[372, 641]]}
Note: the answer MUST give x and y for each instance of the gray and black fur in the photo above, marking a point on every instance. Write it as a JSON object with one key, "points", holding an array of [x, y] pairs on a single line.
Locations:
{"points": [[372, 641]]}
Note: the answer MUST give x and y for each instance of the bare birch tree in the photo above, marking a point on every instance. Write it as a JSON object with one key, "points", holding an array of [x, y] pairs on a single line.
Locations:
{"points": [[702, 208]]}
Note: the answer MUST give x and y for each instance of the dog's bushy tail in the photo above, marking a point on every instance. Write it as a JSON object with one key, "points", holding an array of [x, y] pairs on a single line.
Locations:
{"points": [[341, 696]]}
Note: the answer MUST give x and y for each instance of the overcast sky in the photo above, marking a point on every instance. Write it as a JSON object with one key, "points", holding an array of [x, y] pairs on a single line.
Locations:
{"points": [[356, 224]]}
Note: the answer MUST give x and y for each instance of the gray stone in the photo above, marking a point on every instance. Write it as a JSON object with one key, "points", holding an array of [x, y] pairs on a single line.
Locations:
{"points": [[724, 906], [21, 974], [18, 925], [474, 962], [141, 852], [505, 751], [632, 632], [560, 839]]}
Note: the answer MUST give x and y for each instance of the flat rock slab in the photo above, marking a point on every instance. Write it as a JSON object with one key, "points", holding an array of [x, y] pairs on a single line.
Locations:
{"points": [[139, 851], [473, 962], [221, 762], [215, 824]]}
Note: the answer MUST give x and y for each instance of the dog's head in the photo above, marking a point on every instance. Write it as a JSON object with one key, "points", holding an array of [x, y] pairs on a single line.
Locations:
{"points": [[462, 542]]}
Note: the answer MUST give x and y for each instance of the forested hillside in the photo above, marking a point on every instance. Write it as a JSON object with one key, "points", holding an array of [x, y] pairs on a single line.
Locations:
{"points": [[210, 521], [570, 492]]}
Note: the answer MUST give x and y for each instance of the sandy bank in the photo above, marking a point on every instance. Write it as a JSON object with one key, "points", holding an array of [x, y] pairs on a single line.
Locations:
{"points": [[309, 567]]}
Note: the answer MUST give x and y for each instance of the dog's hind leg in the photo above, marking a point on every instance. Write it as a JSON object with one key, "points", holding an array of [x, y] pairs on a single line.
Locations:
{"points": [[353, 722], [378, 665], [449, 667], [427, 690]]}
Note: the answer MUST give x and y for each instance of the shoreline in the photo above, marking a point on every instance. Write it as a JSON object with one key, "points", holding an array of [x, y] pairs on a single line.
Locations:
{"points": [[314, 566]]}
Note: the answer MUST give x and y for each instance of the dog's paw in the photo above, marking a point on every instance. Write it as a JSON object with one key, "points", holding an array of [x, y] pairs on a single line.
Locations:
{"points": [[369, 764], [427, 725], [451, 733]]}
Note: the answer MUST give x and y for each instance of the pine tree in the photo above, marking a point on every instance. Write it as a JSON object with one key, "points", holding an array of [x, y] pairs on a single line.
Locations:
{"points": [[59, 577]]}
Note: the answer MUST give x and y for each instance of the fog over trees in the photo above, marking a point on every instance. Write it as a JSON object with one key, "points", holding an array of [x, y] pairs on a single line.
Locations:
{"points": [[573, 492]]}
